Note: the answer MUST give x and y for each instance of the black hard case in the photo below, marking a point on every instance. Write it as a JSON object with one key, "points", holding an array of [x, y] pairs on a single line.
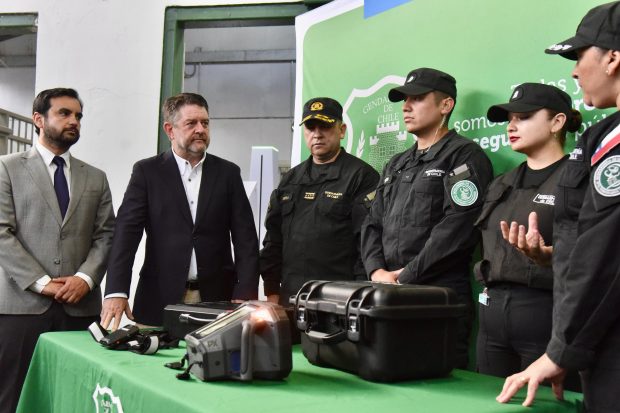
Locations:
{"points": [[382, 332], [182, 319]]}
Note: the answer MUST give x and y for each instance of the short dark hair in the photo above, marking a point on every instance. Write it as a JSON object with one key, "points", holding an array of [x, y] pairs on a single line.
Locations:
{"points": [[439, 96], [42, 103], [172, 105]]}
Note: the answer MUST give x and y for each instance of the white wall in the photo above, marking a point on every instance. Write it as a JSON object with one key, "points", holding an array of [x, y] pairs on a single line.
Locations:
{"points": [[111, 52], [249, 105]]}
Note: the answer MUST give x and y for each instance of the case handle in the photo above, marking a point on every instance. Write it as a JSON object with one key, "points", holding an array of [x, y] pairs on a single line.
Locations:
{"points": [[247, 349], [186, 318], [319, 337]]}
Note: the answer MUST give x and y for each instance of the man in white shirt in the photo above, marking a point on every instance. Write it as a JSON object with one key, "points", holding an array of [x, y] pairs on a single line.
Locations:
{"points": [[190, 204], [56, 225]]}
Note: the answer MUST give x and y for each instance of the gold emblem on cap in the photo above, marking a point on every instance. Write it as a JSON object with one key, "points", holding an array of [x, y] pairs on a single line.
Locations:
{"points": [[316, 106]]}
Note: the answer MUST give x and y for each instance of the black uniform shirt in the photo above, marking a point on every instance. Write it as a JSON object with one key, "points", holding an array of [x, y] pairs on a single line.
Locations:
{"points": [[423, 213], [511, 197], [313, 224], [587, 290]]}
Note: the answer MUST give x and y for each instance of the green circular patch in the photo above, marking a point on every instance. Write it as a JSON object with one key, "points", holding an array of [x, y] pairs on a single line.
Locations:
{"points": [[607, 177], [464, 193]]}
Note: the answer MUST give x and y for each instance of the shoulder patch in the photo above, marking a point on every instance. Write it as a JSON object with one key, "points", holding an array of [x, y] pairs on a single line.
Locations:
{"points": [[606, 179], [464, 193]]}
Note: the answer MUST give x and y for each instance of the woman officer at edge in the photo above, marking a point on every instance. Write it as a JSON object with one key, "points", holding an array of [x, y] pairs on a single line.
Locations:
{"points": [[517, 302], [586, 322]]}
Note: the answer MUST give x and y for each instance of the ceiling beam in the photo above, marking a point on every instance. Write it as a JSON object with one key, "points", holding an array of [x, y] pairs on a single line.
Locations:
{"points": [[240, 56]]}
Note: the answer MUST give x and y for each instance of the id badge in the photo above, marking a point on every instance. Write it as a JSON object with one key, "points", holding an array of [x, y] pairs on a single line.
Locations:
{"points": [[483, 298]]}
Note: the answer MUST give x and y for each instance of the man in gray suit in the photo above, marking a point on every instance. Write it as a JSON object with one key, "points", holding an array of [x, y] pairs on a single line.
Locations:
{"points": [[56, 225]]}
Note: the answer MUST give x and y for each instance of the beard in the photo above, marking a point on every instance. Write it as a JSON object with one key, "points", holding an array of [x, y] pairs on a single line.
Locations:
{"points": [[61, 139], [195, 147]]}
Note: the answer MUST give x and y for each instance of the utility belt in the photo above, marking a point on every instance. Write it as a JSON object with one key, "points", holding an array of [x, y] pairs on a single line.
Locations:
{"points": [[508, 285], [533, 276]]}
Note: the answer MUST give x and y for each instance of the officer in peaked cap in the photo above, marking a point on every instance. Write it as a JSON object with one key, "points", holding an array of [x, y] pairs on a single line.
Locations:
{"points": [[586, 263], [314, 216], [420, 227]]}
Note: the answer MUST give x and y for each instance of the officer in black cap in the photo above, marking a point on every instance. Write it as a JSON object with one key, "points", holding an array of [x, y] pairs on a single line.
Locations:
{"points": [[586, 320], [516, 304], [420, 228], [314, 216]]}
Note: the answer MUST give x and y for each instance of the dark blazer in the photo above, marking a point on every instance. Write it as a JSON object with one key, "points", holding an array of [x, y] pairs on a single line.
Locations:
{"points": [[155, 202]]}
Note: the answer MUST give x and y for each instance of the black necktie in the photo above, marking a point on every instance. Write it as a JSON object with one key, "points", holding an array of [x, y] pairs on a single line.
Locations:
{"points": [[60, 185]]}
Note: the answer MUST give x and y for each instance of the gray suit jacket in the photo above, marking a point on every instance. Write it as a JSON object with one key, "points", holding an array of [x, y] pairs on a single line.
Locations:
{"points": [[35, 240]]}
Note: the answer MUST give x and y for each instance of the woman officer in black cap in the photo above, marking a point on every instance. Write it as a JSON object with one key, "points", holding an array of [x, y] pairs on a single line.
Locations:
{"points": [[586, 322], [517, 302]]}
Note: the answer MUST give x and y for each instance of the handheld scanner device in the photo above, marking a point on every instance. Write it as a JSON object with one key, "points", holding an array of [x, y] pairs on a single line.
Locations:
{"points": [[252, 342]]}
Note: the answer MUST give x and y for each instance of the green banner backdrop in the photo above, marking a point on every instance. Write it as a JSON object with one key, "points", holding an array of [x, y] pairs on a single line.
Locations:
{"points": [[489, 46]]}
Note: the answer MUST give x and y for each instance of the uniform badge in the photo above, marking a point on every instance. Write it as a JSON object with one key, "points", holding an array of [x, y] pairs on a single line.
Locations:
{"points": [[310, 196], [371, 196], [576, 154], [464, 193], [333, 195], [607, 177], [316, 106], [544, 199], [434, 172]]}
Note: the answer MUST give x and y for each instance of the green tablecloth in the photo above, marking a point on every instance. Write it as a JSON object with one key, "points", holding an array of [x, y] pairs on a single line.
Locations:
{"points": [[71, 373]]}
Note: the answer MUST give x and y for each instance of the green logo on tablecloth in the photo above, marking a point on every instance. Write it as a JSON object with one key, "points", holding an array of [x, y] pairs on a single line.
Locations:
{"points": [[106, 401]]}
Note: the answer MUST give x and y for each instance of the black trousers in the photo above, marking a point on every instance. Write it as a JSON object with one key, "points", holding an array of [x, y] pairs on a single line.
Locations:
{"points": [[514, 330], [18, 337], [601, 388], [463, 332]]}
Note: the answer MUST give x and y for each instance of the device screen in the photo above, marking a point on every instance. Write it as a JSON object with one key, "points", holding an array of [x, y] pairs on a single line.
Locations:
{"points": [[224, 321]]}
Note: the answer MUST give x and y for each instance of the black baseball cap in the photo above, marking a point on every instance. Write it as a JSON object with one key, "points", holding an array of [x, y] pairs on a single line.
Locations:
{"points": [[599, 27], [424, 80], [529, 97], [326, 110]]}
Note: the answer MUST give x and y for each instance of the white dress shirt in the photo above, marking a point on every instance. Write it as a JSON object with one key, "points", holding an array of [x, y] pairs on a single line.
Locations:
{"points": [[191, 178], [48, 158]]}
